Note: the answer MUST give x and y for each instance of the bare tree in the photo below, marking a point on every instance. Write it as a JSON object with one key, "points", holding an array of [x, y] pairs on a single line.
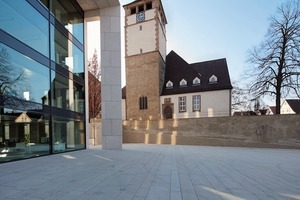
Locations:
{"points": [[12, 79], [276, 62], [240, 98], [94, 78]]}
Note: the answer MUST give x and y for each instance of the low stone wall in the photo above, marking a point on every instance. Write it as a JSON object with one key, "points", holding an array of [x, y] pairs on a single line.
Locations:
{"points": [[282, 131]]}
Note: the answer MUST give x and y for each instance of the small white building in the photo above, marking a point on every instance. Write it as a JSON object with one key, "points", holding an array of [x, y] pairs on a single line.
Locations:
{"points": [[290, 106], [195, 90]]}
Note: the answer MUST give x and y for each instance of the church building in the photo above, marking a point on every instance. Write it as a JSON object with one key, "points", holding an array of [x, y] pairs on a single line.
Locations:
{"points": [[160, 86]]}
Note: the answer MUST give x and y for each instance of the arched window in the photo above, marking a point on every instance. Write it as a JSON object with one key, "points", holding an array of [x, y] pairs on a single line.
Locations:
{"points": [[183, 83], [213, 79], [196, 81], [169, 84], [143, 103]]}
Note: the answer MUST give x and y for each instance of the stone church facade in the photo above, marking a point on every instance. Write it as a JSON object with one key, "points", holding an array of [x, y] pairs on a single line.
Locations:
{"points": [[149, 69]]}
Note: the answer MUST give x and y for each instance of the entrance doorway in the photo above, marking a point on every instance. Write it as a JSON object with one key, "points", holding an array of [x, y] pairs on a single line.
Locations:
{"points": [[168, 112]]}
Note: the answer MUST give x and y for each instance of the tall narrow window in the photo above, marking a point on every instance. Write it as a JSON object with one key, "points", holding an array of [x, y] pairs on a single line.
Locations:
{"points": [[141, 8], [196, 103], [182, 104], [143, 103], [133, 10], [149, 6]]}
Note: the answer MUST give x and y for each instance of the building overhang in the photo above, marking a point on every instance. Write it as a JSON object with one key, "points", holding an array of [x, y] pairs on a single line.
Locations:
{"points": [[87, 5]]}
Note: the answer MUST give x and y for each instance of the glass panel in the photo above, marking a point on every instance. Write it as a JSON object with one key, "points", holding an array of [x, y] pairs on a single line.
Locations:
{"points": [[60, 91], [78, 62], [68, 134], [20, 15], [23, 134], [22, 77], [67, 94], [45, 2], [65, 53], [59, 47], [78, 98], [69, 17]]}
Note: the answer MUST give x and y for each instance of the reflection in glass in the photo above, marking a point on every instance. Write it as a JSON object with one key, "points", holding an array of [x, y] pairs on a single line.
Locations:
{"points": [[78, 98], [60, 91], [69, 17], [68, 134], [65, 53], [23, 77], [66, 93], [25, 23], [45, 2], [23, 134]]}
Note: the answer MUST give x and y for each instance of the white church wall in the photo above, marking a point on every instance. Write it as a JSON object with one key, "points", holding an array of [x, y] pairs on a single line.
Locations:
{"points": [[212, 104]]}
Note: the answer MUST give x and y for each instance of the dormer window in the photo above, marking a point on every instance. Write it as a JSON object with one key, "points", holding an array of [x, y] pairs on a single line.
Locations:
{"points": [[196, 81], [213, 79], [169, 84], [183, 83]]}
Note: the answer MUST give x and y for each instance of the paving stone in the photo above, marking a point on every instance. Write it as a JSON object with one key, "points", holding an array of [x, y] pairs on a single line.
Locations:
{"points": [[146, 172]]}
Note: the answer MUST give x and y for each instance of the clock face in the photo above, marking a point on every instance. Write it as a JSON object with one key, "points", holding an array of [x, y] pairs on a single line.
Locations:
{"points": [[140, 17]]}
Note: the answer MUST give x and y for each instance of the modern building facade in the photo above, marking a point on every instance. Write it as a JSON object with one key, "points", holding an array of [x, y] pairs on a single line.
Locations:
{"points": [[43, 75]]}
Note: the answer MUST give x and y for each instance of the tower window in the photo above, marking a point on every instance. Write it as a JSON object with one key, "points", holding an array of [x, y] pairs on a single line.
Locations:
{"points": [[133, 10], [143, 103], [141, 50], [141, 8], [141, 27], [149, 6]]}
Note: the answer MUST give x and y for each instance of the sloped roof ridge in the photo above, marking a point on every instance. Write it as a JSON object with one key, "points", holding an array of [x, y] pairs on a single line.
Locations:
{"points": [[187, 64], [207, 61], [176, 54]]}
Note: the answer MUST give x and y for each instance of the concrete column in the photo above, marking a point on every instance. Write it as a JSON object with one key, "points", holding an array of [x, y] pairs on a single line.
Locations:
{"points": [[111, 77]]}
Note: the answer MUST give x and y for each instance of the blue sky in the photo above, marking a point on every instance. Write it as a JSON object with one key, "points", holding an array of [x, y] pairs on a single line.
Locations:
{"points": [[200, 30]]}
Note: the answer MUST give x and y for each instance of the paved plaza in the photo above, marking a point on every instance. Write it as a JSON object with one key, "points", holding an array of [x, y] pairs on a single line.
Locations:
{"points": [[154, 172]]}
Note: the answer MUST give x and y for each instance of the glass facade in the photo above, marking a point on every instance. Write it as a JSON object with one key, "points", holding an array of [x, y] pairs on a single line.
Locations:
{"points": [[42, 91]]}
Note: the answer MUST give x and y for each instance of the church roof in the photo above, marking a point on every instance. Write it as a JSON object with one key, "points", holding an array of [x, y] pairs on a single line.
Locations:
{"points": [[177, 69]]}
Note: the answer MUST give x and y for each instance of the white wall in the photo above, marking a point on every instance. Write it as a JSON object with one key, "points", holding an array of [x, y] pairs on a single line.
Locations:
{"points": [[286, 109], [162, 42], [144, 39], [213, 104]]}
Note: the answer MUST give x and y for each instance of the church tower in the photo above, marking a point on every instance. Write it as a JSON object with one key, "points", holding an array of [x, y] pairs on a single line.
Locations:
{"points": [[145, 57]]}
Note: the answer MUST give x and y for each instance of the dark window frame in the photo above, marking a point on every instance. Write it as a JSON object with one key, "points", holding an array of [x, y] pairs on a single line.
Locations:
{"points": [[143, 101]]}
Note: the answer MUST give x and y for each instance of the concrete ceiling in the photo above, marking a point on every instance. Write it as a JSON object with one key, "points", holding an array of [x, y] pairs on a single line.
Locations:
{"points": [[96, 4]]}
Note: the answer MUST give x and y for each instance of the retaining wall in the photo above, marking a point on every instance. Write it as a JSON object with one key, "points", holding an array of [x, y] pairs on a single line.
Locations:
{"points": [[282, 131]]}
